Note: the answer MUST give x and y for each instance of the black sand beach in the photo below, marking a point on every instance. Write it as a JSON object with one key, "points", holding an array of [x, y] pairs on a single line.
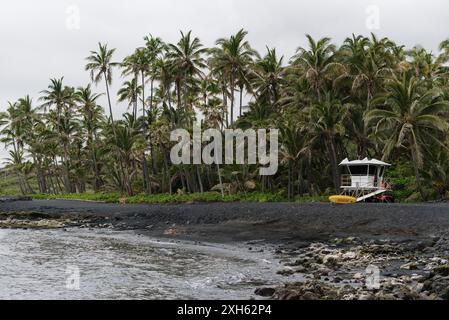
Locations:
{"points": [[273, 222], [331, 246]]}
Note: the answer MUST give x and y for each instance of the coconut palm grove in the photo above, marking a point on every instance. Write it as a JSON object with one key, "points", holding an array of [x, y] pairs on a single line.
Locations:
{"points": [[365, 97]]}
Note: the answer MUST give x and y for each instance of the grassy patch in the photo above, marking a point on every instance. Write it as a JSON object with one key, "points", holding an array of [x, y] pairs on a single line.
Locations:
{"points": [[115, 197], [9, 184]]}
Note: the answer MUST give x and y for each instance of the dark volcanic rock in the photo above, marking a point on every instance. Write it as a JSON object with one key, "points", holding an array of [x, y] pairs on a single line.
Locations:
{"points": [[264, 292], [309, 290]]}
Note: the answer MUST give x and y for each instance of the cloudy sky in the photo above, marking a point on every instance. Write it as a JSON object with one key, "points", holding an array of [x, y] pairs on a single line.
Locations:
{"points": [[49, 38]]}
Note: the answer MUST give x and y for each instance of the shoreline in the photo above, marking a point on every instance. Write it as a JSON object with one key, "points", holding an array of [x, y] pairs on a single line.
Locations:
{"points": [[273, 222], [331, 246]]}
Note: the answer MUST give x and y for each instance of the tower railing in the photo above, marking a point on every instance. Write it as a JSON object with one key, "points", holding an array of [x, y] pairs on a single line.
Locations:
{"points": [[346, 181]]}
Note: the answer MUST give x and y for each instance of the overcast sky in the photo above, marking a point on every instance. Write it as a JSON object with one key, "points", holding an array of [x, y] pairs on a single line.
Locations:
{"points": [[47, 38]]}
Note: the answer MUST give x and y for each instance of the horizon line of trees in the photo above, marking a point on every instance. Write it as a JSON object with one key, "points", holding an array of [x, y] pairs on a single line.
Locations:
{"points": [[368, 97]]}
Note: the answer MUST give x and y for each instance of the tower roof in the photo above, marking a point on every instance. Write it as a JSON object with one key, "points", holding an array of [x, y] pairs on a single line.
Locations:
{"points": [[366, 161]]}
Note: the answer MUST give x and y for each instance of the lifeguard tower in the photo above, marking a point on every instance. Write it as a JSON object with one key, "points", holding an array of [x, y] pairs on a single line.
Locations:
{"points": [[361, 180]]}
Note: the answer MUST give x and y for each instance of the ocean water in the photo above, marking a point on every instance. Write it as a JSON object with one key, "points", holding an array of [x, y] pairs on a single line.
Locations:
{"points": [[104, 264]]}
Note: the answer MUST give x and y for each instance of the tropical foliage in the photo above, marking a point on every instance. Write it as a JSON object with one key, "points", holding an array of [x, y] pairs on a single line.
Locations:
{"points": [[368, 97]]}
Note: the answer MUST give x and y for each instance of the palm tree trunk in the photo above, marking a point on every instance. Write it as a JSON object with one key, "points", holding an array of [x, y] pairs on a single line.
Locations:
{"points": [[146, 175], [220, 181], [134, 106], [183, 183], [318, 93], [334, 164], [184, 89], [208, 177], [151, 93], [56, 174], [122, 169], [241, 101], [178, 93], [153, 160], [186, 175], [200, 182], [300, 182], [169, 97], [97, 179], [127, 179], [52, 185], [166, 166], [19, 179], [134, 96], [419, 185], [109, 103], [225, 102], [232, 99], [40, 178], [143, 94], [289, 192], [310, 177], [67, 184], [30, 189]]}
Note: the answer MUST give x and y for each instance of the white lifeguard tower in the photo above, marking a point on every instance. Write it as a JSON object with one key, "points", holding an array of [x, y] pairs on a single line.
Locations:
{"points": [[363, 179]]}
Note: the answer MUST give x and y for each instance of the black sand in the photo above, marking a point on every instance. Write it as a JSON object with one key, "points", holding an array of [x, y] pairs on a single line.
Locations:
{"points": [[330, 246], [272, 222]]}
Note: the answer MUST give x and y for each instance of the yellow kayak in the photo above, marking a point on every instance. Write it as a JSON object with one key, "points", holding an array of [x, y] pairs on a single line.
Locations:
{"points": [[342, 199]]}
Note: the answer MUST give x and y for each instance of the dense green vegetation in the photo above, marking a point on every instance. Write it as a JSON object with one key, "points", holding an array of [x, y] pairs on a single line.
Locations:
{"points": [[368, 97]]}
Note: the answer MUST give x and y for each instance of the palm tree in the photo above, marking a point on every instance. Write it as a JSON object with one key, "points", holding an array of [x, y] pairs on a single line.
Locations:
{"points": [[56, 95], [409, 113], [154, 48], [62, 98], [318, 64], [146, 60], [140, 63], [357, 132], [293, 146], [92, 117], [186, 60], [11, 131], [231, 59], [30, 119], [367, 66], [100, 66], [68, 137], [324, 124], [267, 77], [22, 168], [423, 63], [143, 66], [444, 54], [130, 91], [11, 135], [367, 98], [130, 67], [123, 147]]}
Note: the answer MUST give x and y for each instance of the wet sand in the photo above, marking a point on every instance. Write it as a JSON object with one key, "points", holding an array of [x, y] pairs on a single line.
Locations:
{"points": [[272, 222]]}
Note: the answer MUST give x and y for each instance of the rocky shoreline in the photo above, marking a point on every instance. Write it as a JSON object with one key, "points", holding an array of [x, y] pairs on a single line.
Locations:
{"points": [[37, 220], [337, 250], [351, 269]]}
